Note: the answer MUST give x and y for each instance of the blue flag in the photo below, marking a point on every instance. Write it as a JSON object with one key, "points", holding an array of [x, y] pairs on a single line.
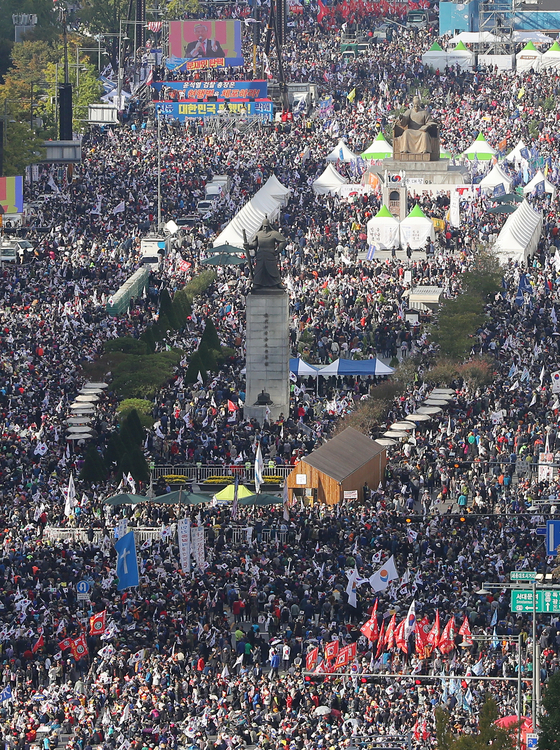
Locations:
{"points": [[499, 189], [127, 563], [6, 694], [525, 153], [539, 188], [524, 284], [371, 252], [494, 618]]}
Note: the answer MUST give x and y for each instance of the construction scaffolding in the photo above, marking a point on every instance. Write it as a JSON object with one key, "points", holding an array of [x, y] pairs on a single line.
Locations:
{"points": [[496, 18]]}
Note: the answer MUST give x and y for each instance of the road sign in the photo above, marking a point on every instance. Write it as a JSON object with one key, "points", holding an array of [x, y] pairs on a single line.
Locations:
{"points": [[532, 741], [548, 600], [541, 530], [552, 537], [522, 575], [83, 587]]}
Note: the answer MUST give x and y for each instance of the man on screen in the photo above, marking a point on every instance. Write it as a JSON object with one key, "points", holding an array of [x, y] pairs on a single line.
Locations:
{"points": [[203, 47]]}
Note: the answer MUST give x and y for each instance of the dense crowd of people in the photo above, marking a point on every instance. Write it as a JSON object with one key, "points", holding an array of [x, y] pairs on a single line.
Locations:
{"points": [[224, 655]]}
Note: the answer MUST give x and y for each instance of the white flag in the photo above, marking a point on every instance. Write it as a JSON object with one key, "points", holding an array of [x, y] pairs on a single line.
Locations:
{"points": [[386, 573], [119, 209], [259, 468], [70, 497]]}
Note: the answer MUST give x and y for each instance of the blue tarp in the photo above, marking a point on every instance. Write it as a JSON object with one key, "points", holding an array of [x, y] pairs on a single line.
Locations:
{"points": [[301, 368], [362, 367]]}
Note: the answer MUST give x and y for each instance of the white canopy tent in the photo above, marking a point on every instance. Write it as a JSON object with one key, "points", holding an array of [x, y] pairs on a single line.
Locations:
{"points": [[481, 149], [383, 230], [435, 57], [341, 152], [514, 156], [266, 202], [460, 57], [380, 148], [474, 37], [537, 179], [528, 59], [329, 183], [520, 234], [416, 229], [551, 58], [537, 37], [496, 177]]}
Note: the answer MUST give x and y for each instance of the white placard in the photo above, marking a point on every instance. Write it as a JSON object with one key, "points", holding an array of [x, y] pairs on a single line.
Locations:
{"points": [[184, 539], [301, 479]]}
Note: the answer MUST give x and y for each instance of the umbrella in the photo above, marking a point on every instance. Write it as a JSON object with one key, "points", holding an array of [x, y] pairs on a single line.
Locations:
{"points": [[78, 420], [227, 492], [96, 385], [507, 198], [91, 397], [261, 499], [436, 402], [125, 498], [322, 711], [401, 426], [395, 434], [503, 208], [223, 259], [79, 436], [90, 392], [429, 410], [416, 417], [442, 392], [181, 497], [385, 441], [227, 249], [79, 429], [82, 409]]}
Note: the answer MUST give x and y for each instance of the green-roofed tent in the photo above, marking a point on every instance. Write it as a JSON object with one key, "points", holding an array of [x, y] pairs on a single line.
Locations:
{"points": [[379, 149], [416, 229], [460, 57], [551, 59], [528, 59], [383, 230], [181, 497], [261, 500], [435, 57], [480, 148]]}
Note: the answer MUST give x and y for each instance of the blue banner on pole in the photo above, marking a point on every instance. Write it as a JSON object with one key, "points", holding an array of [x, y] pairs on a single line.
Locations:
{"points": [[127, 562], [185, 110]]}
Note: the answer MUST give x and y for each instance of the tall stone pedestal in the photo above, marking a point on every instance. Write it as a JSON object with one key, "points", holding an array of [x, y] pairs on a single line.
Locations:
{"points": [[268, 353]]}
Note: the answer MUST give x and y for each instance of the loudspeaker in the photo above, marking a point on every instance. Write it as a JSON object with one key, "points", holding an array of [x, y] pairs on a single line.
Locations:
{"points": [[65, 111], [140, 16], [282, 20]]}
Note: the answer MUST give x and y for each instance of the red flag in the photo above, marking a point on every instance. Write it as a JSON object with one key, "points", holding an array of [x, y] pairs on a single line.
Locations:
{"points": [[390, 634], [97, 623], [447, 640], [322, 11], [381, 640], [465, 631], [351, 651], [417, 736], [331, 650], [79, 647], [400, 640], [433, 636], [311, 659], [420, 639], [39, 643], [231, 406], [342, 658], [65, 643], [370, 629]]}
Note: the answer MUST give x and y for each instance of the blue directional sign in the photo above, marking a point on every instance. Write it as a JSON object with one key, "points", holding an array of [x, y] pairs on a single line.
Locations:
{"points": [[552, 537], [82, 587], [532, 741]]}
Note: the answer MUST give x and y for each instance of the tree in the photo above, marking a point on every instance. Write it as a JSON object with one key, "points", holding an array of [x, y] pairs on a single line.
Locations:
{"points": [[134, 425], [47, 26], [210, 336], [549, 735], [94, 469], [179, 8], [488, 732], [166, 308], [23, 148]]}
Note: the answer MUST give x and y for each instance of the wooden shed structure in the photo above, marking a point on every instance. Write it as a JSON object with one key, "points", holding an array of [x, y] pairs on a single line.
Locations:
{"points": [[343, 465]]}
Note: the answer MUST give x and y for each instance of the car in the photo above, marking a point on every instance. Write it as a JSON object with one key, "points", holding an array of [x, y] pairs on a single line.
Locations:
{"points": [[205, 206]]}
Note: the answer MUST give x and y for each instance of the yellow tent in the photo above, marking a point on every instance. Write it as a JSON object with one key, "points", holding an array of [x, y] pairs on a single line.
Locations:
{"points": [[227, 492]]}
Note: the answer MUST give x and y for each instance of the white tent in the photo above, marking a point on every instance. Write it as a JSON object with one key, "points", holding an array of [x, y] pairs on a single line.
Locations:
{"points": [[416, 229], [266, 202], [461, 57], [341, 152], [383, 230], [379, 149], [537, 37], [329, 182], [529, 58], [435, 58], [481, 149], [514, 156], [520, 234], [551, 59], [496, 177], [537, 179]]}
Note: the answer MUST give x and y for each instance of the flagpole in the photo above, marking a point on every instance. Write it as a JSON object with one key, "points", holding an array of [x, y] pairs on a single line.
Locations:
{"points": [[158, 169]]}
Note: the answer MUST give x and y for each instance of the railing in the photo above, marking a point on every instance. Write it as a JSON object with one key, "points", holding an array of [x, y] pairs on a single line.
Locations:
{"points": [[200, 473], [239, 534]]}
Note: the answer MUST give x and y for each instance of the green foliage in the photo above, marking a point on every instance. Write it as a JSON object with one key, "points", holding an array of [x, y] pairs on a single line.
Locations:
{"points": [[549, 735], [114, 451], [210, 336], [94, 469], [166, 309], [47, 22], [142, 376], [142, 407], [126, 344], [148, 337], [444, 372], [208, 357], [134, 426], [23, 148], [100, 16], [133, 461], [181, 308], [179, 8], [488, 733], [196, 365], [199, 284]]}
